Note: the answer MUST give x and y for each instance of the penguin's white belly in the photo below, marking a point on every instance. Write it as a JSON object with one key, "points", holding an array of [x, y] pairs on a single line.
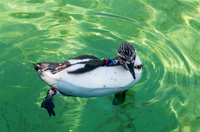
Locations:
{"points": [[98, 82]]}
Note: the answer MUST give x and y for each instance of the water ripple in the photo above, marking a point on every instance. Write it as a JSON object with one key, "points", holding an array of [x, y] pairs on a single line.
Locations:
{"points": [[165, 34]]}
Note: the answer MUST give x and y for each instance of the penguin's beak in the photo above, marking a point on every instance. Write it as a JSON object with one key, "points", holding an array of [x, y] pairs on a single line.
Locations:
{"points": [[130, 66]]}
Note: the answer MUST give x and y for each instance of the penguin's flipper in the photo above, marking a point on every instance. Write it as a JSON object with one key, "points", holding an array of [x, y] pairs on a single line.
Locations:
{"points": [[86, 57], [90, 65], [119, 98]]}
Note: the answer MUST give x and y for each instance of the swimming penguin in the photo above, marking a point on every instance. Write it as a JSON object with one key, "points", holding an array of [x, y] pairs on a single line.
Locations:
{"points": [[88, 76]]}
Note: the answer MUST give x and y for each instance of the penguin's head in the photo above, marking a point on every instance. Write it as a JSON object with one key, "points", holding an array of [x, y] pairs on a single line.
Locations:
{"points": [[126, 56]]}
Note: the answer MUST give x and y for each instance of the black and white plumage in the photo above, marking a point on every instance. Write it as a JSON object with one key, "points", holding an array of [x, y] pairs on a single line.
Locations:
{"points": [[88, 76]]}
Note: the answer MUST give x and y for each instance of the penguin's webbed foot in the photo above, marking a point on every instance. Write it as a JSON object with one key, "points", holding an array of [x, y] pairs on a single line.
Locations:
{"points": [[48, 102], [119, 98], [48, 105]]}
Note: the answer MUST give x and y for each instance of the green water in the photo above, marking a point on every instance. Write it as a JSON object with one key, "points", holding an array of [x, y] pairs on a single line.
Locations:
{"points": [[166, 34]]}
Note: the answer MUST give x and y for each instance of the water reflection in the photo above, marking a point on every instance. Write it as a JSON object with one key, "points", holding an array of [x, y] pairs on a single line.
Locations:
{"points": [[166, 36]]}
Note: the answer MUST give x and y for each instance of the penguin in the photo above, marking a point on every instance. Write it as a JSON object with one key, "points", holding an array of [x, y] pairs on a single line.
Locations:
{"points": [[88, 76]]}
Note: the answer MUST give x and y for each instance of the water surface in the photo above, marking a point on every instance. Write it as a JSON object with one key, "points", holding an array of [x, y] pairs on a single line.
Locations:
{"points": [[165, 33]]}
